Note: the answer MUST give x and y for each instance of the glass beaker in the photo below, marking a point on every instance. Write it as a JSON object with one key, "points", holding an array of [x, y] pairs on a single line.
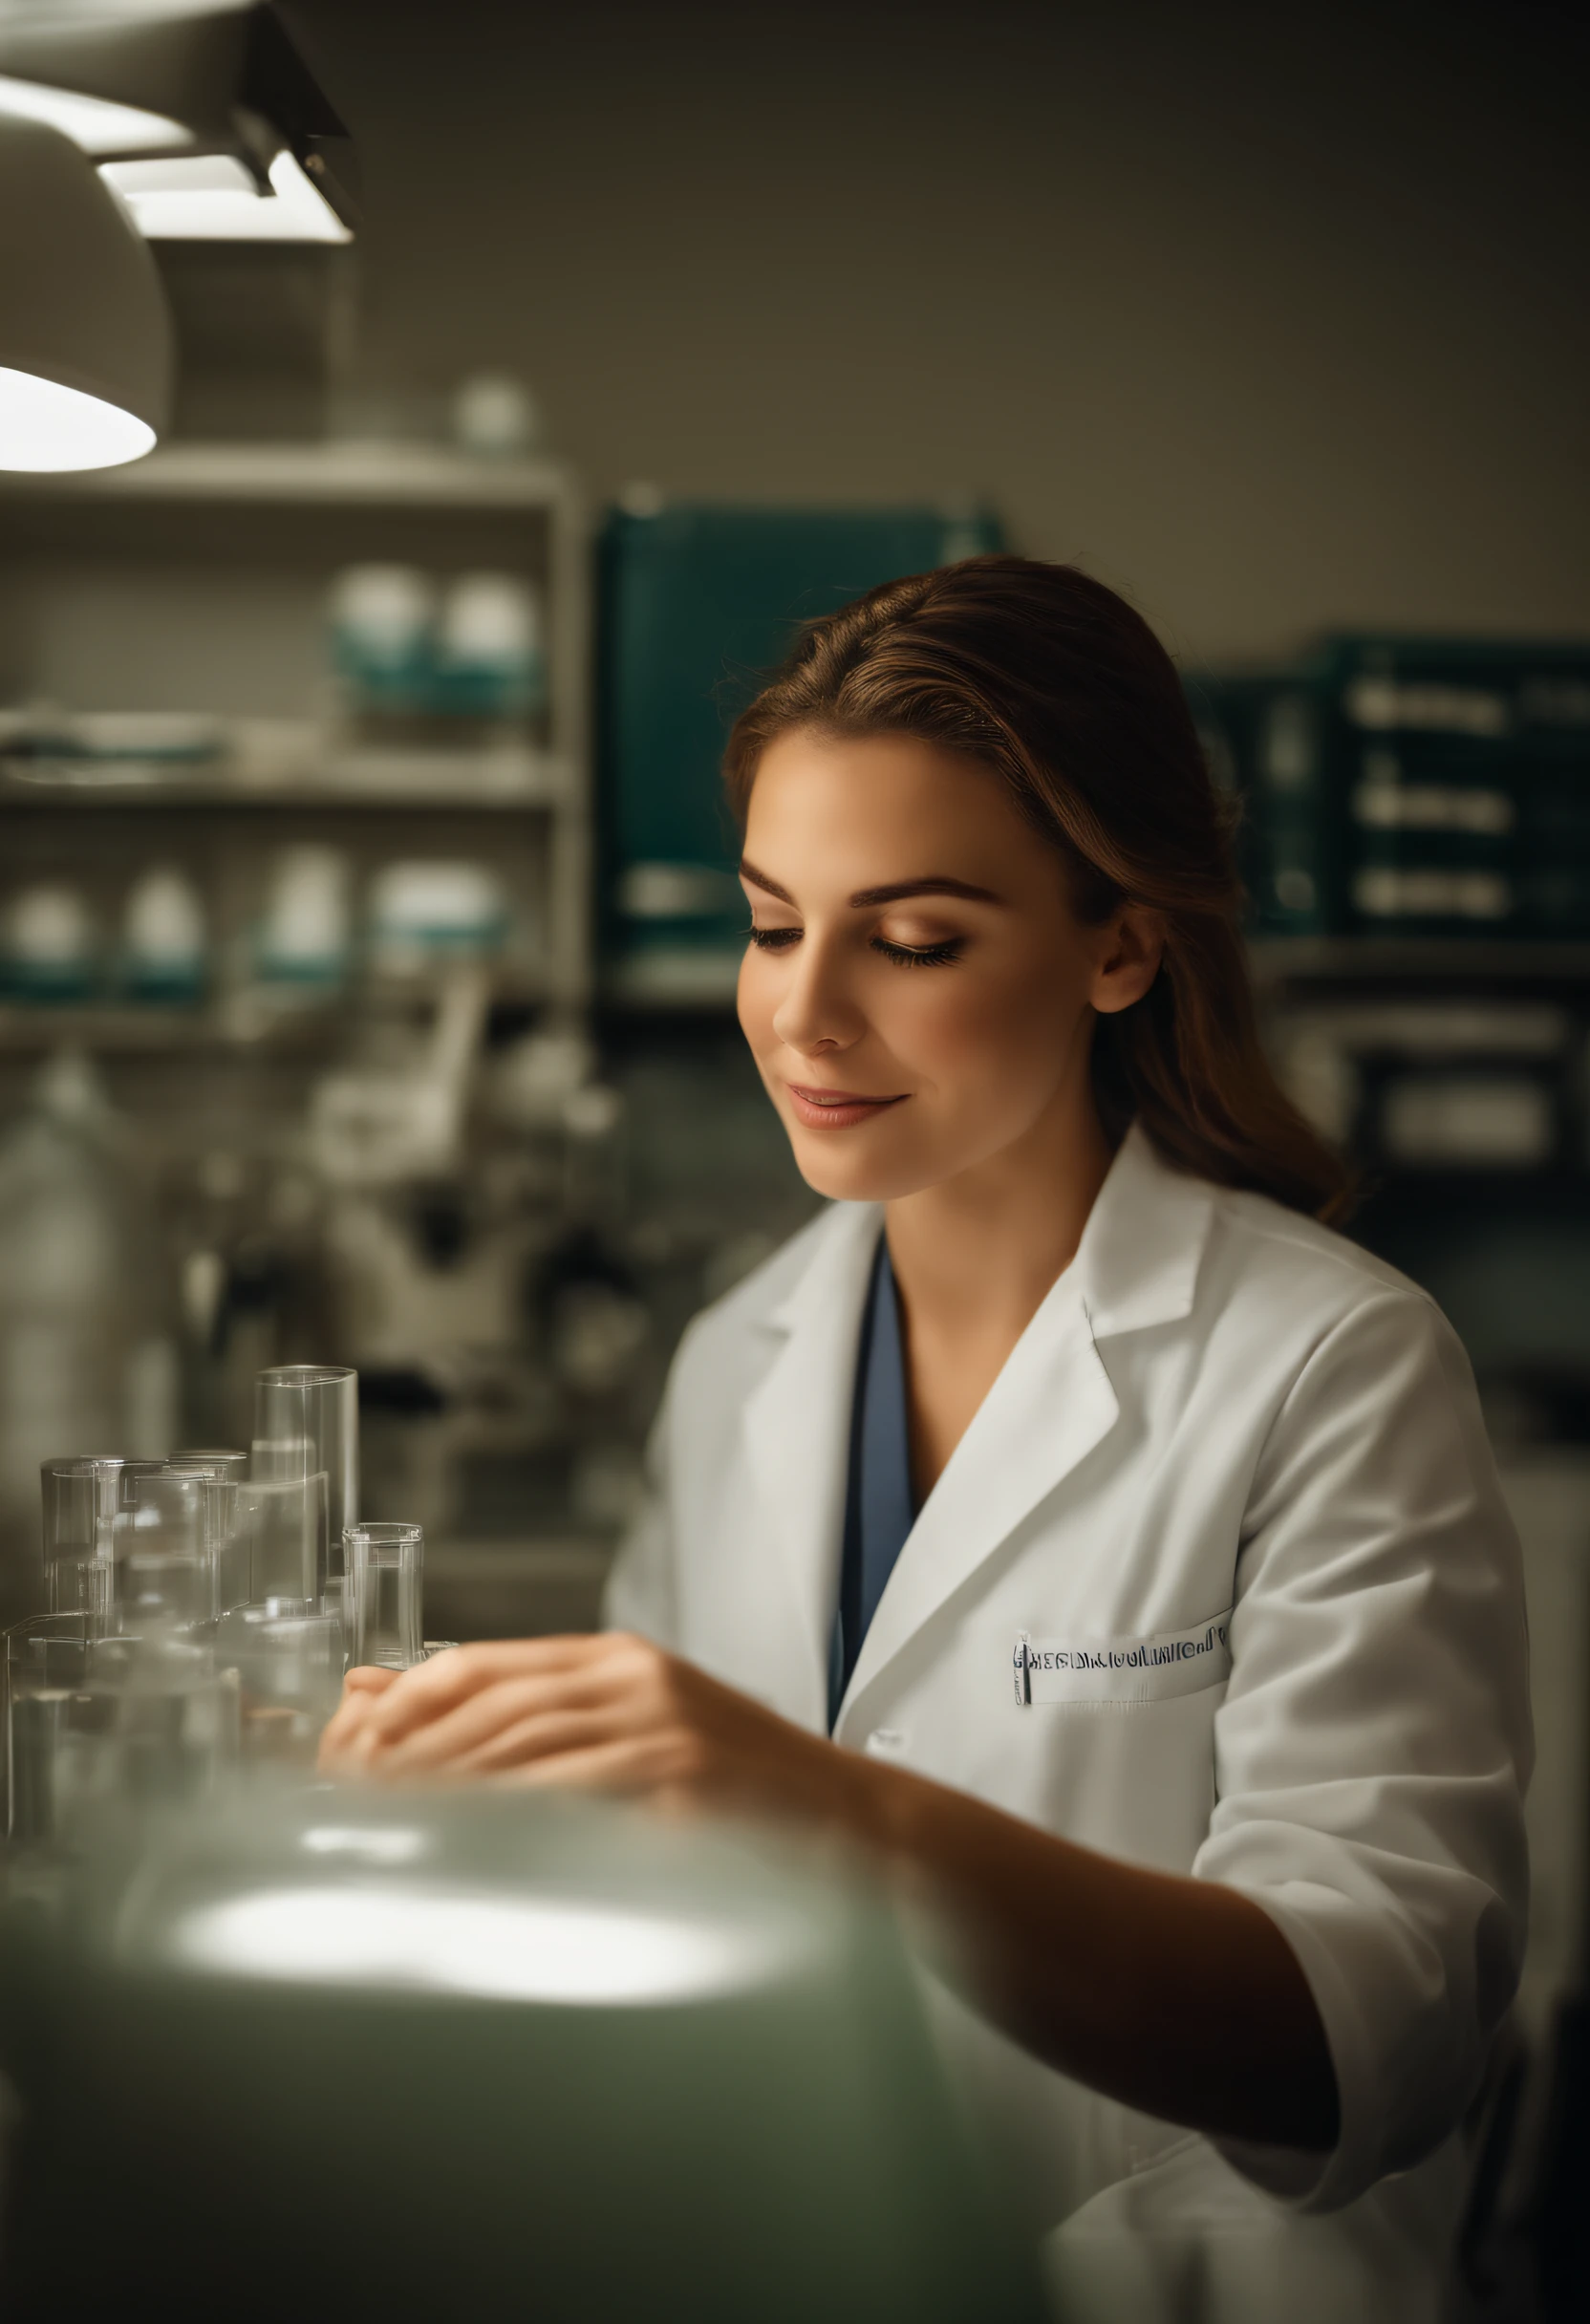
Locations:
{"points": [[48, 1659], [288, 1660], [385, 1579], [319, 1402], [98, 1727], [81, 1493]]}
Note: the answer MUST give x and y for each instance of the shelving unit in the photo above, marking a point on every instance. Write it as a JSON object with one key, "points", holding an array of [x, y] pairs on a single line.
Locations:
{"points": [[1436, 963], [196, 581]]}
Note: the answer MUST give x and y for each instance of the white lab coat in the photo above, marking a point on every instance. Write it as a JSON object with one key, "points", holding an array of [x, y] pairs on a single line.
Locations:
{"points": [[1229, 1518]]}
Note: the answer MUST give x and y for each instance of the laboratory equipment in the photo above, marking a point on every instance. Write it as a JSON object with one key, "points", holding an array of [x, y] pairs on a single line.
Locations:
{"points": [[100, 1731], [81, 1494], [385, 1568], [383, 619], [490, 662], [289, 1664], [51, 944], [47, 1660], [77, 1298], [281, 1531], [320, 1402], [164, 937], [304, 932]]}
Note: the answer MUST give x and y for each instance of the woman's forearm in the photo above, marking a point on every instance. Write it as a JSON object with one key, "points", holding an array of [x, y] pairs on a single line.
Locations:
{"points": [[1176, 1996]]}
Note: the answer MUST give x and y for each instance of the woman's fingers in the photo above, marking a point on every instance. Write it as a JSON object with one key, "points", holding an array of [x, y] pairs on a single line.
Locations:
{"points": [[620, 1765], [430, 1691], [361, 1690], [370, 1679], [475, 1724]]}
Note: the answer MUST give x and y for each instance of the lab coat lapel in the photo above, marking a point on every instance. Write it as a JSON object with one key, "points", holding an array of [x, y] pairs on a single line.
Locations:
{"points": [[1136, 1265], [797, 1425]]}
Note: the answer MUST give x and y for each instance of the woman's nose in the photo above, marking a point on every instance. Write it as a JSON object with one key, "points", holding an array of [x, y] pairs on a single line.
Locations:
{"points": [[813, 1015]]}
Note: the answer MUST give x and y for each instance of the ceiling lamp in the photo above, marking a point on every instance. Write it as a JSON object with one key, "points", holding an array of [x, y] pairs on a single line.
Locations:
{"points": [[201, 113], [212, 197], [93, 122], [85, 337]]}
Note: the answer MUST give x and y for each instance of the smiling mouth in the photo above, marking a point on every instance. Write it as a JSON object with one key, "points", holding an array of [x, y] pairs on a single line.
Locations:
{"points": [[837, 1108]]}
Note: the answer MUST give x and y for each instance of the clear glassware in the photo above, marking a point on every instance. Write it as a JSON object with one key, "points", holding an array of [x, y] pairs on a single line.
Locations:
{"points": [[319, 1402], [385, 1566], [281, 1535], [81, 1494], [290, 1662], [164, 1568], [164, 1591], [100, 1728], [232, 1467], [48, 1659]]}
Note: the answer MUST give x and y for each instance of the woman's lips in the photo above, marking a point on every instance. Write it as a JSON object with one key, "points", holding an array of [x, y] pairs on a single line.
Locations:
{"points": [[836, 1108]]}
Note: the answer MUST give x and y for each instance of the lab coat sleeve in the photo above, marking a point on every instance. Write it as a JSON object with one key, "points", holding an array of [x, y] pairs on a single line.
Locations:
{"points": [[1374, 1743], [639, 1594]]}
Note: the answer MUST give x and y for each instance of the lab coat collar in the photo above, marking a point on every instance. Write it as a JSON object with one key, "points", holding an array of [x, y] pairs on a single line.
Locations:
{"points": [[1138, 1262], [1135, 1266]]}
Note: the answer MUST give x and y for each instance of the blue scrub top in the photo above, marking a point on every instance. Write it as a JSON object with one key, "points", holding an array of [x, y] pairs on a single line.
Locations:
{"points": [[879, 1507]]}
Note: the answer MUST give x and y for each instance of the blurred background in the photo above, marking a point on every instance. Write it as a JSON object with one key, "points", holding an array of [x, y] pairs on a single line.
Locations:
{"points": [[367, 932]]}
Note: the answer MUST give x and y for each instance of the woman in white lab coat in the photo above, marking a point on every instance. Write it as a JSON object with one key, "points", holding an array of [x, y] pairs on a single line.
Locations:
{"points": [[1106, 1545]]}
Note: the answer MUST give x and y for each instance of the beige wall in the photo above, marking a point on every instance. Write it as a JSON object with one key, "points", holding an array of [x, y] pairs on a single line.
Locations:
{"points": [[1275, 316]]}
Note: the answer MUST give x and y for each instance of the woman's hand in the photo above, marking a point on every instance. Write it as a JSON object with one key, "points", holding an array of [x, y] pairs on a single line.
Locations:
{"points": [[609, 1712]]}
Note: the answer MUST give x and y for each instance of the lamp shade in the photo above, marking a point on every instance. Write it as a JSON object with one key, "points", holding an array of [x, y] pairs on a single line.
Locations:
{"points": [[85, 337]]}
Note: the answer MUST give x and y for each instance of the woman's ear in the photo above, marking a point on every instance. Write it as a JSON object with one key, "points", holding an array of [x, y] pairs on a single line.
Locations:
{"points": [[1131, 945]]}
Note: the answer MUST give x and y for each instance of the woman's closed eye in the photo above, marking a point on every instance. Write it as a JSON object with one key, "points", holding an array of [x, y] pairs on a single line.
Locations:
{"points": [[921, 956], [908, 955]]}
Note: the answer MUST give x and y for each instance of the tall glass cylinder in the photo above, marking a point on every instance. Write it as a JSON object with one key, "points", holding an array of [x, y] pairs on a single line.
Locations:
{"points": [[385, 1582], [319, 1402]]}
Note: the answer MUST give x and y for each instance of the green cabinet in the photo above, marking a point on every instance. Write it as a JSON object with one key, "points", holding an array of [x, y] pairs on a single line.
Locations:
{"points": [[696, 605]]}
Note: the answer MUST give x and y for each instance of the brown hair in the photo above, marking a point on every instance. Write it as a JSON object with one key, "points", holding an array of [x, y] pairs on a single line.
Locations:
{"points": [[1050, 678]]}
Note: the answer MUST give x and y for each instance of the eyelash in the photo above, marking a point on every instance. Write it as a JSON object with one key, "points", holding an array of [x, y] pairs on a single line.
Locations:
{"points": [[925, 955]]}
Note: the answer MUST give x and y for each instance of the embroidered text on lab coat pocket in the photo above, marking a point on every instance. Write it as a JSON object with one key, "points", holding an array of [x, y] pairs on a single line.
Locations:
{"points": [[1122, 1670]]}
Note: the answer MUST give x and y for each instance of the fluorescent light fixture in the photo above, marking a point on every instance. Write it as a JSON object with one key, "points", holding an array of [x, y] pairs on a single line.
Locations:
{"points": [[501, 1947], [212, 198], [94, 125]]}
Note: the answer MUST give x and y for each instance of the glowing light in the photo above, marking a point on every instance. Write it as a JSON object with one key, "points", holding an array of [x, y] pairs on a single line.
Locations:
{"points": [[93, 123], [46, 428], [502, 1948], [211, 197]]}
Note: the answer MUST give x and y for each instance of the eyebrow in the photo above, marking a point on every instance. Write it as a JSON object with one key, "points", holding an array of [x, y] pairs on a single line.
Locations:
{"points": [[892, 893]]}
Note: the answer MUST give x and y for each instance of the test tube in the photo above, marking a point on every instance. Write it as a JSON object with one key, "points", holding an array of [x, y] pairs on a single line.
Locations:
{"points": [[320, 1402], [385, 1566]]}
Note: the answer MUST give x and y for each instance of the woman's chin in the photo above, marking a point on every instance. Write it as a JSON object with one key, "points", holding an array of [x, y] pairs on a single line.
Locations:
{"points": [[843, 1173]]}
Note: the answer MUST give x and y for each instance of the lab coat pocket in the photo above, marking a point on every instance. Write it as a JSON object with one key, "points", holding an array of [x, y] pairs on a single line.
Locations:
{"points": [[1128, 1669]]}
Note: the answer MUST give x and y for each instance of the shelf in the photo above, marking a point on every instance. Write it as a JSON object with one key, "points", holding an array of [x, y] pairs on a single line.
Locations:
{"points": [[284, 1029], [312, 474], [1380, 960], [288, 762]]}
